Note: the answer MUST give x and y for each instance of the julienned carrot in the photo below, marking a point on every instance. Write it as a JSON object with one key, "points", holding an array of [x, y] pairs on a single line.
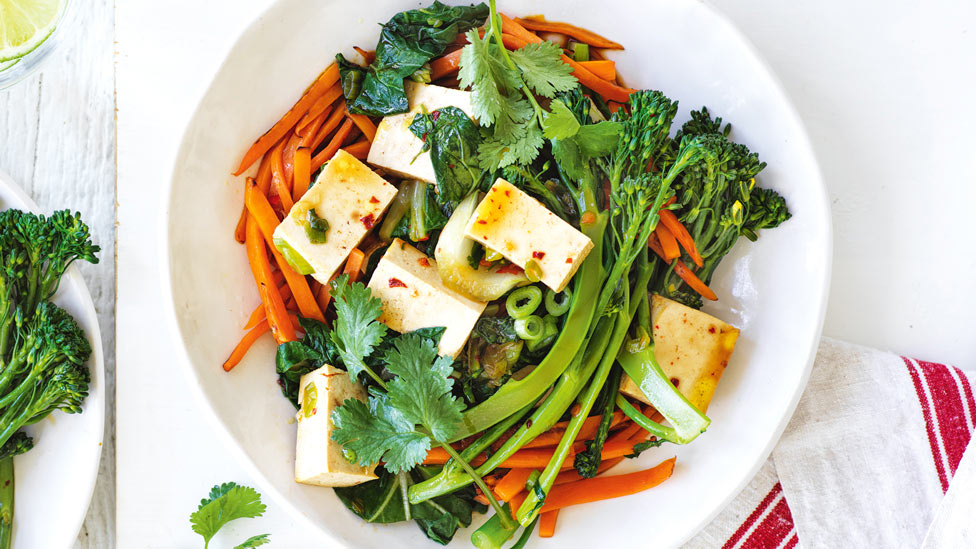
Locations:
{"points": [[368, 56], [333, 146], [310, 130], [683, 271], [587, 431], [512, 483], [359, 149], [257, 315], [693, 281], [572, 476], [364, 124], [330, 124], [245, 344], [354, 264], [547, 523], [668, 244], [580, 34], [670, 220], [303, 172], [278, 181], [511, 26], [257, 256], [605, 69], [326, 80], [322, 104], [601, 488], [534, 458], [239, 229], [264, 174], [445, 65], [626, 433], [607, 90], [264, 215], [288, 158]]}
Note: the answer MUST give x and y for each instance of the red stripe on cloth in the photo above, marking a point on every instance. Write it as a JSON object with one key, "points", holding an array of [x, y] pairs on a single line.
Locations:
{"points": [[753, 517], [967, 392], [929, 427], [947, 400], [774, 529], [792, 543]]}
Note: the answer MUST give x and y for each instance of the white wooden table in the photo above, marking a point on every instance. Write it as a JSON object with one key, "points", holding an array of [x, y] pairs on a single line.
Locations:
{"points": [[57, 141], [884, 89]]}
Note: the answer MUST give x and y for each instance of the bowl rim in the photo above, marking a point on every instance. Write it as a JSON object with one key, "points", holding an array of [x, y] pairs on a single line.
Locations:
{"points": [[93, 406], [824, 218]]}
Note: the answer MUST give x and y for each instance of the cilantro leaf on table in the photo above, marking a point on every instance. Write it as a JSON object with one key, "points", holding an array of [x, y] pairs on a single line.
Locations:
{"points": [[422, 388], [543, 68], [356, 330], [255, 541], [226, 502]]}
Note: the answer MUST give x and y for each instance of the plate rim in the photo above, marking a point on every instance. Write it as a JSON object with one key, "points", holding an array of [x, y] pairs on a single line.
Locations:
{"points": [[97, 360], [240, 454]]}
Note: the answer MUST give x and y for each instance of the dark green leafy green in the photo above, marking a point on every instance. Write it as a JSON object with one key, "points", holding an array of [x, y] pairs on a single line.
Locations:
{"points": [[496, 329], [640, 447], [452, 139], [407, 42], [294, 359]]}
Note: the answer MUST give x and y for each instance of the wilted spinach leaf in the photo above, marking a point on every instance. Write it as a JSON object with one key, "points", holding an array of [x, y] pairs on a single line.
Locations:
{"points": [[452, 139], [408, 41], [297, 358], [496, 329], [424, 216]]}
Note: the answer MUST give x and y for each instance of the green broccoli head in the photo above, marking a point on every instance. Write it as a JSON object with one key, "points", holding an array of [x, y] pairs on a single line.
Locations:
{"points": [[645, 131], [19, 443], [767, 209]]}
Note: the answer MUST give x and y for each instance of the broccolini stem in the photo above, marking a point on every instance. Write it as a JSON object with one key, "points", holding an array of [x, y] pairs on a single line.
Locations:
{"points": [[507, 522], [6, 501], [493, 534]]}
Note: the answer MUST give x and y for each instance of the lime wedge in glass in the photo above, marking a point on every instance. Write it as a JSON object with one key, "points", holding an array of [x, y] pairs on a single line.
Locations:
{"points": [[25, 24]]}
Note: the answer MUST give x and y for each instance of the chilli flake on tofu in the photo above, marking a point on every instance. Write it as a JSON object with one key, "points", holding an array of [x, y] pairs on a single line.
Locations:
{"points": [[483, 260]]}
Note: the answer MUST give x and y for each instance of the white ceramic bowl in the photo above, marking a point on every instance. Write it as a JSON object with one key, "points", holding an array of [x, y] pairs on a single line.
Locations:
{"points": [[774, 290], [55, 480]]}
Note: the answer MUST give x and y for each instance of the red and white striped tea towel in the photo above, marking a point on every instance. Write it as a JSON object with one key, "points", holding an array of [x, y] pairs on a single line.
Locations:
{"points": [[873, 457]]}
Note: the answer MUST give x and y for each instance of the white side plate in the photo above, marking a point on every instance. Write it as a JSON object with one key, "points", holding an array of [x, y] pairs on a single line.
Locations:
{"points": [[774, 290], [55, 480]]}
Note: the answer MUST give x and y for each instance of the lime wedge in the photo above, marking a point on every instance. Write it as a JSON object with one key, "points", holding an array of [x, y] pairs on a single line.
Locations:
{"points": [[25, 24]]}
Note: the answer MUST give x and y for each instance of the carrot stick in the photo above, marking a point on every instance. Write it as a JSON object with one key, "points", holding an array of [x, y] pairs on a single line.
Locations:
{"points": [[354, 264], [239, 229], [278, 182], [511, 26], [607, 90], [580, 34], [329, 126], [668, 244], [693, 281], [572, 476], [587, 431], [263, 214], [245, 344], [288, 158], [512, 483], [257, 315], [264, 174], [605, 69], [322, 104], [601, 488], [359, 149], [368, 56], [364, 124], [257, 256], [333, 146], [445, 65], [309, 131], [303, 172], [626, 433], [670, 220], [517, 501], [547, 523], [326, 80]]}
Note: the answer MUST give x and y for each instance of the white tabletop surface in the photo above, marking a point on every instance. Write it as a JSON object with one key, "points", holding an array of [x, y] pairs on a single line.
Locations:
{"points": [[885, 91]]}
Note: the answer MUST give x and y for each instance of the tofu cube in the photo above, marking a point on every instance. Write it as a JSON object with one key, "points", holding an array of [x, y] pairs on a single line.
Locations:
{"points": [[520, 228], [351, 198], [692, 347], [318, 458], [413, 297], [395, 148]]}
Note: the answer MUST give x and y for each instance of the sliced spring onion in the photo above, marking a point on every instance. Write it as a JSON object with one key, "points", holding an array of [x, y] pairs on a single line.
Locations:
{"points": [[530, 328], [492, 255], [523, 302], [533, 271], [549, 332], [560, 307]]}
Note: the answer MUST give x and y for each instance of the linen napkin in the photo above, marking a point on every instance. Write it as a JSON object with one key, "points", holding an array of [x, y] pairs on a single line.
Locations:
{"points": [[873, 457]]}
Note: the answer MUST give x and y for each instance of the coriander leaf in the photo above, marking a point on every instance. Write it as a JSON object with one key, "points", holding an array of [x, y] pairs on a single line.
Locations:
{"points": [[255, 541], [422, 389], [356, 329], [226, 502], [543, 68], [378, 431], [600, 139], [561, 123], [484, 71]]}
